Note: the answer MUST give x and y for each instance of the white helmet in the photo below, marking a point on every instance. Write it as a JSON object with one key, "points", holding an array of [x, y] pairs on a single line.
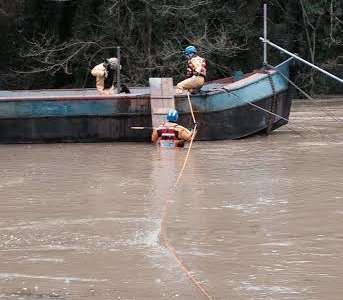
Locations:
{"points": [[113, 62]]}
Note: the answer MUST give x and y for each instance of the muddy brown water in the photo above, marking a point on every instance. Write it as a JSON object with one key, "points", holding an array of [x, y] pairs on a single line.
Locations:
{"points": [[258, 218]]}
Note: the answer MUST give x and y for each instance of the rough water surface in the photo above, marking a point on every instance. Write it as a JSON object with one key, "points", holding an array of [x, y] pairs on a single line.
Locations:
{"points": [[257, 218]]}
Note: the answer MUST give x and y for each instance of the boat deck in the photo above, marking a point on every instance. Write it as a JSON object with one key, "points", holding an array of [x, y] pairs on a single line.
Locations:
{"points": [[136, 92], [89, 93]]}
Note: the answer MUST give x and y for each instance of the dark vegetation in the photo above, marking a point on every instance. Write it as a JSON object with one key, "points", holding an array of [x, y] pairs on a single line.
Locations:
{"points": [[55, 43]]}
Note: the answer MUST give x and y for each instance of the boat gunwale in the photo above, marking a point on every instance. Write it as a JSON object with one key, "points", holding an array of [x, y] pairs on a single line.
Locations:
{"points": [[145, 96], [76, 98], [222, 89]]}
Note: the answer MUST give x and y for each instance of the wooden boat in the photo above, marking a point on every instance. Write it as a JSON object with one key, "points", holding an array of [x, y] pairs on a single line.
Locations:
{"points": [[224, 109]]}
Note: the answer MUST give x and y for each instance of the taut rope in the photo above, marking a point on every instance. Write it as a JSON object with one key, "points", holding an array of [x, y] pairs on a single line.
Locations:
{"points": [[191, 142], [329, 113], [281, 117]]}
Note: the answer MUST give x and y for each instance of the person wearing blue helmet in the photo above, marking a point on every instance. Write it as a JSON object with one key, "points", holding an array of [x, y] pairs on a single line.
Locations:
{"points": [[170, 134], [196, 72]]}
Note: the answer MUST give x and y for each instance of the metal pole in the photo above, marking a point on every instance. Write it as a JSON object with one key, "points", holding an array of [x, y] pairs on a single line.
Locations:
{"points": [[118, 70], [302, 60], [265, 32]]}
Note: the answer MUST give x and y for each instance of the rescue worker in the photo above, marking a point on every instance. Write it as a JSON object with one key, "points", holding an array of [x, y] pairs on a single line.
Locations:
{"points": [[170, 134], [104, 74], [196, 72]]}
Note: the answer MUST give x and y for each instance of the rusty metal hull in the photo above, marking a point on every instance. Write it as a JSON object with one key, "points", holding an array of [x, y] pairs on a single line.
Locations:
{"points": [[73, 129], [240, 121], [232, 123], [223, 111], [70, 117], [242, 108]]}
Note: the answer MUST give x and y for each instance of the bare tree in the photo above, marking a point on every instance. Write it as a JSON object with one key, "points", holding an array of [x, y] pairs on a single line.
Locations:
{"points": [[153, 33]]}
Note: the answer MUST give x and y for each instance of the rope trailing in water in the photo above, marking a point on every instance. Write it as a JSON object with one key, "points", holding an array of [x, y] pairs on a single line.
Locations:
{"points": [[164, 235], [173, 252], [328, 113], [281, 117]]}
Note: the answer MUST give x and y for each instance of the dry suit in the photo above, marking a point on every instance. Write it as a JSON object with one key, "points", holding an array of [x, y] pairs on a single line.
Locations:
{"points": [[171, 135], [104, 74], [196, 75]]}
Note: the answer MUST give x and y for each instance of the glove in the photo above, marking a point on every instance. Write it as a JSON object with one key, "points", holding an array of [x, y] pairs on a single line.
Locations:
{"points": [[193, 131]]}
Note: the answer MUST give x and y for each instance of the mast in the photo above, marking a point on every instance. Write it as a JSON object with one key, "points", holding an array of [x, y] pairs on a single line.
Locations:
{"points": [[265, 33], [266, 42], [302, 60], [118, 70]]}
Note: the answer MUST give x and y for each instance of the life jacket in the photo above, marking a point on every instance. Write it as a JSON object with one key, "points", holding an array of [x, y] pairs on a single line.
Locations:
{"points": [[168, 136], [194, 64]]}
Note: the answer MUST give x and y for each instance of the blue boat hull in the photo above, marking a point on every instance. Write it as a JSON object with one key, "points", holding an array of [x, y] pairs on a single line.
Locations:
{"points": [[224, 111], [241, 110], [240, 121]]}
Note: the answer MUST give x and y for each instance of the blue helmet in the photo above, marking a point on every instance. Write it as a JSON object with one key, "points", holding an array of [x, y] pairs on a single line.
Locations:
{"points": [[172, 115], [190, 51]]}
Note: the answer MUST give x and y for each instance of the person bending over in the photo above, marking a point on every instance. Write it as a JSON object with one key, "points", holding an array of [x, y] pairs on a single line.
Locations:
{"points": [[104, 74]]}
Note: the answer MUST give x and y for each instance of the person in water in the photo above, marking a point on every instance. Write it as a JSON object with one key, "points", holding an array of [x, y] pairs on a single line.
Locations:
{"points": [[196, 72], [170, 134], [104, 74]]}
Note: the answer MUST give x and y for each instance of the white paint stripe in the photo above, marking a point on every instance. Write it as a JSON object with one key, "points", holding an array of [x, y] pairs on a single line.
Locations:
{"points": [[66, 279]]}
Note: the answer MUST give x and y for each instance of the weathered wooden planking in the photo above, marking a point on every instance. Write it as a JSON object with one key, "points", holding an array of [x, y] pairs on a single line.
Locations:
{"points": [[161, 98]]}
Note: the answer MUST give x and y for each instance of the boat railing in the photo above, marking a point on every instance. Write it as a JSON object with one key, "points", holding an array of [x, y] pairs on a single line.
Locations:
{"points": [[301, 60], [265, 41]]}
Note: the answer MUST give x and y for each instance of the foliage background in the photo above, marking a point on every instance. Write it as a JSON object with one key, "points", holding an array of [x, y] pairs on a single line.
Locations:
{"points": [[55, 43]]}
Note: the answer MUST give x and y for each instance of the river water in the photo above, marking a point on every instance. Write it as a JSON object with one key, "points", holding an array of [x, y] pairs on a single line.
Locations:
{"points": [[258, 218]]}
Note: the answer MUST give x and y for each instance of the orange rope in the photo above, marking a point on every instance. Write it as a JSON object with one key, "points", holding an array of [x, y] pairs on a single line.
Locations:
{"points": [[163, 232], [191, 107], [191, 142], [173, 252], [187, 156]]}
